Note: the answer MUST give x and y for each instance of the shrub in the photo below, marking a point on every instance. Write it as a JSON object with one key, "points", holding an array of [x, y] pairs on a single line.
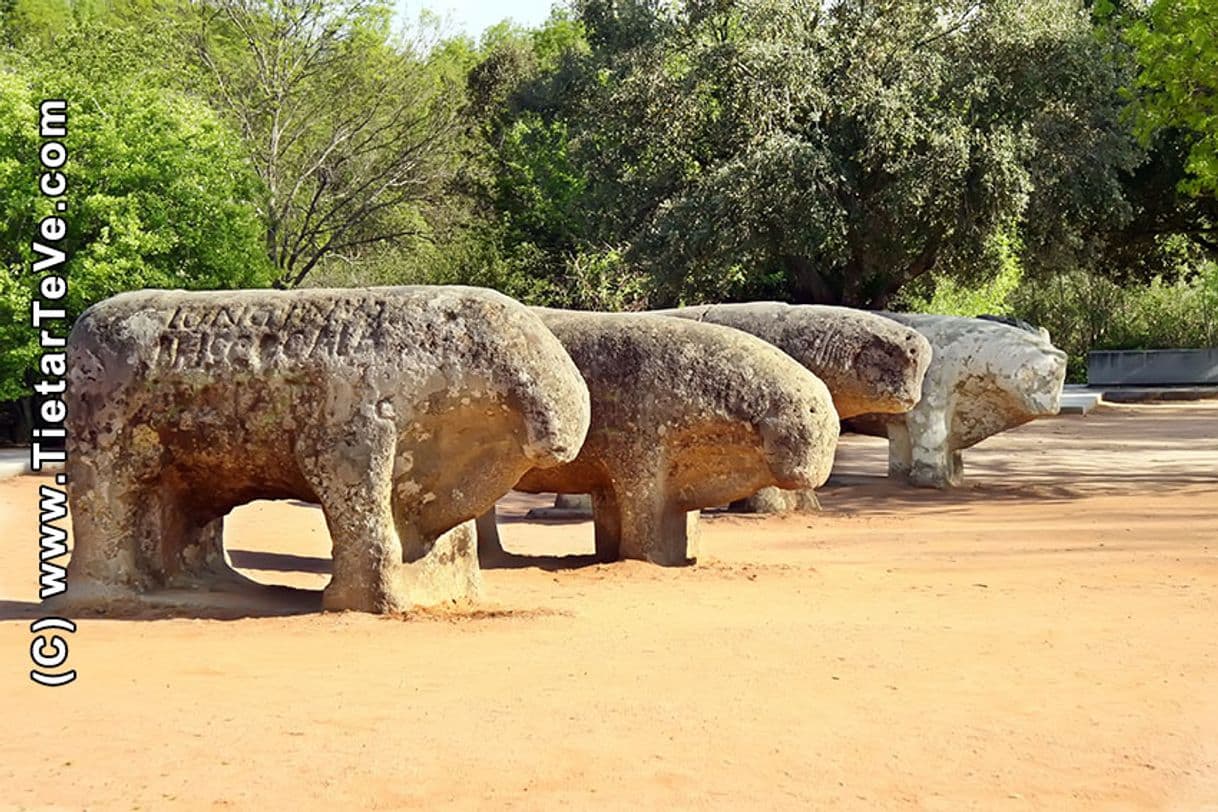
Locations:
{"points": [[1086, 312]]}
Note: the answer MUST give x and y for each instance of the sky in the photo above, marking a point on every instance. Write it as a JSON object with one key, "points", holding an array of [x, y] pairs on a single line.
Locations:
{"points": [[475, 16]]}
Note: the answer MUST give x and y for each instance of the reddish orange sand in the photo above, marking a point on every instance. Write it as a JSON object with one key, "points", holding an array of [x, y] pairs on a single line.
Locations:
{"points": [[1047, 638]]}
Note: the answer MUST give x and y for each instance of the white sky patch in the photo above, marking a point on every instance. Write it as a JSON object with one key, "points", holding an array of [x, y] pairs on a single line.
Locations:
{"points": [[472, 17]]}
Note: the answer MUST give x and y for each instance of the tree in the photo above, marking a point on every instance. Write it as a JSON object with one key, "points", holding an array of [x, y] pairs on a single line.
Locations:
{"points": [[828, 152], [157, 198], [354, 135], [18, 211], [530, 184], [1176, 42]]}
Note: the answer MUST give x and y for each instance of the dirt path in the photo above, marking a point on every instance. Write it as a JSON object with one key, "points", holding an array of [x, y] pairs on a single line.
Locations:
{"points": [[1047, 638]]}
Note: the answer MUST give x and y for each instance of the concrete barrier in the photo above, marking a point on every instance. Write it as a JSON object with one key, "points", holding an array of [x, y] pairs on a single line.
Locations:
{"points": [[16, 462], [1152, 367]]}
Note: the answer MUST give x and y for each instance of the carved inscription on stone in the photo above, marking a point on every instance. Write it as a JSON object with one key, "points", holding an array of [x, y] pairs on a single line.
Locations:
{"points": [[260, 335]]}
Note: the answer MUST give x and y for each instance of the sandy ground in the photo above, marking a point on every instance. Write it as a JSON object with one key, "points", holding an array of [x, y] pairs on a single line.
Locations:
{"points": [[1045, 639]]}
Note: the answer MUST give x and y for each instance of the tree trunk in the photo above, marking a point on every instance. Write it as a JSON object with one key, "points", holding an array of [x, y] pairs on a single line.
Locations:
{"points": [[922, 264], [23, 431], [807, 285]]}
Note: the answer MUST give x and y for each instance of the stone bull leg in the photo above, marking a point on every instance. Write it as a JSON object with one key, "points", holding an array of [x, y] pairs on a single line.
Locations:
{"points": [[985, 377], [871, 365], [490, 546], [900, 450], [644, 526], [404, 412], [684, 416], [654, 530], [351, 471], [920, 451], [638, 517], [607, 525], [648, 529]]}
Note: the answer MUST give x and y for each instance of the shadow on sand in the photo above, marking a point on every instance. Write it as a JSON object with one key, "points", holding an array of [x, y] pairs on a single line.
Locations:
{"points": [[254, 602], [279, 562], [548, 563]]}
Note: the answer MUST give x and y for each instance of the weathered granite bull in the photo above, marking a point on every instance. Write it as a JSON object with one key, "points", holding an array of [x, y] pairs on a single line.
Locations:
{"points": [[404, 412], [985, 377], [684, 416], [870, 364]]}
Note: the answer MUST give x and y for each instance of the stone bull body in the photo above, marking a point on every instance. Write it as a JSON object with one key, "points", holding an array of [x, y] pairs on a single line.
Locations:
{"points": [[684, 416], [403, 412], [985, 378], [870, 364]]}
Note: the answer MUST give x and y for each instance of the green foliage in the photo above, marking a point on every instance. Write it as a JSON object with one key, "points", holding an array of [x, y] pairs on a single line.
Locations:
{"points": [[18, 355], [20, 210], [538, 184], [157, 197], [990, 297], [162, 199], [1054, 160], [1177, 48], [1162, 222], [530, 184], [466, 256], [354, 131], [1085, 312], [813, 152], [34, 20], [602, 280]]}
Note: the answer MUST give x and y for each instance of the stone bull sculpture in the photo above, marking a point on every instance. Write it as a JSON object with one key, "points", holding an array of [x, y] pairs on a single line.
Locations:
{"points": [[985, 377], [404, 412], [684, 416], [870, 364]]}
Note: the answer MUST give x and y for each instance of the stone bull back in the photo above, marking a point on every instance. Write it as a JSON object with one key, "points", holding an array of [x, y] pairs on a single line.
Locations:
{"points": [[684, 416], [403, 412], [869, 363]]}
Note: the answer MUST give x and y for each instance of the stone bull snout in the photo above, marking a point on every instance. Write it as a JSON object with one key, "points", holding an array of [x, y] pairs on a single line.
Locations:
{"points": [[890, 371], [555, 419], [1037, 383], [790, 440]]}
